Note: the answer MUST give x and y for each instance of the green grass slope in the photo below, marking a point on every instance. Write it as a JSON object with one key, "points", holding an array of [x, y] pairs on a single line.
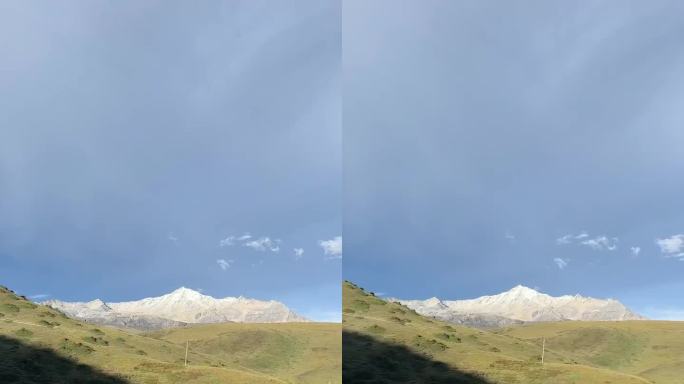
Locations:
{"points": [[653, 350], [41, 345], [389, 343], [296, 352]]}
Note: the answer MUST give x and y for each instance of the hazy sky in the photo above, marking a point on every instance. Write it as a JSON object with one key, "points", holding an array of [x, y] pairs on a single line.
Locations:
{"points": [[494, 143], [136, 136]]}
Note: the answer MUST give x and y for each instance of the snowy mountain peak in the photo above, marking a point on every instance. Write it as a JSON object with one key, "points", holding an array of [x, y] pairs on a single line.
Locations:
{"points": [[522, 291], [185, 294], [96, 303], [433, 302], [182, 290], [521, 303], [182, 306]]}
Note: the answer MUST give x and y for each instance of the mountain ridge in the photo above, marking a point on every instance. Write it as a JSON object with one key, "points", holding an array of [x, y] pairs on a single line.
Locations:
{"points": [[521, 304], [178, 308]]}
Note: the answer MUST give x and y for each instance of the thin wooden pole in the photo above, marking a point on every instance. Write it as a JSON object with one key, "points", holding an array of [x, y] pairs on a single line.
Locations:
{"points": [[186, 353], [543, 348]]}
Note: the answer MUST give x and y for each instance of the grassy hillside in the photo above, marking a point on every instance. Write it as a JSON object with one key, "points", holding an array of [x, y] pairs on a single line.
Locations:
{"points": [[389, 343], [40, 345], [295, 352], [651, 349]]}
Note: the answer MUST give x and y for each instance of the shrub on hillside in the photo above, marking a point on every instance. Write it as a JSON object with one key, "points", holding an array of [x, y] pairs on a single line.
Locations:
{"points": [[9, 308], [75, 349], [360, 305], [95, 340], [23, 332], [448, 337], [376, 329]]}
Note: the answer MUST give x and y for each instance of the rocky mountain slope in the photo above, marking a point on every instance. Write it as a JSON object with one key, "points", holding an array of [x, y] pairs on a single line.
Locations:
{"points": [[521, 304], [178, 308]]}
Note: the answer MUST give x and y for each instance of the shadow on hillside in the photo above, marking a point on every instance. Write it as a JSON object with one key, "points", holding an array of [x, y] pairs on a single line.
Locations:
{"points": [[21, 363], [367, 360]]}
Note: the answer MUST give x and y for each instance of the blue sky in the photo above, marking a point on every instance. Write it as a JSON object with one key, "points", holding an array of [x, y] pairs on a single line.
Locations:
{"points": [[136, 136], [490, 143]]}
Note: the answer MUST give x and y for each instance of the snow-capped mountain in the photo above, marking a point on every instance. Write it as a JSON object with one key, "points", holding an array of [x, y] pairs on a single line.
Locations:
{"points": [[180, 307], [521, 304]]}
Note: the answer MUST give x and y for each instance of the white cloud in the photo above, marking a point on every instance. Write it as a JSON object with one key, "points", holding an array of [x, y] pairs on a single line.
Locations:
{"points": [[509, 236], [172, 238], [672, 246], [232, 240], [601, 243], [299, 253], [39, 296], [332, 248], [635, 251], [263, 244], [561, 263], [224, 264], [228, 241], [569, 238]]}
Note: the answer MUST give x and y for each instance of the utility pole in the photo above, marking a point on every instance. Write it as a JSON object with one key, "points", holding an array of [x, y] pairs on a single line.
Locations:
{"points": [[543, 347], [186, 353]]}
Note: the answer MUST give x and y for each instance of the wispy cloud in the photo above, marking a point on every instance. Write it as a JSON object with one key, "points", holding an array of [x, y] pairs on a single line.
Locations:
{"points": [[232, 240], [39, 296], [509, 236], [599, 243], [228, 241], [224, 264], [635, 251], [561, 263], [263, 244], [299, 253], [332, 248], [672, 246], [172, 238], [569, 238]]}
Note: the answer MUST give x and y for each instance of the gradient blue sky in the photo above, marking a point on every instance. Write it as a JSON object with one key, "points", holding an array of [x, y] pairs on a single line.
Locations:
{"points": [[479, 134], [135, 136]]}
